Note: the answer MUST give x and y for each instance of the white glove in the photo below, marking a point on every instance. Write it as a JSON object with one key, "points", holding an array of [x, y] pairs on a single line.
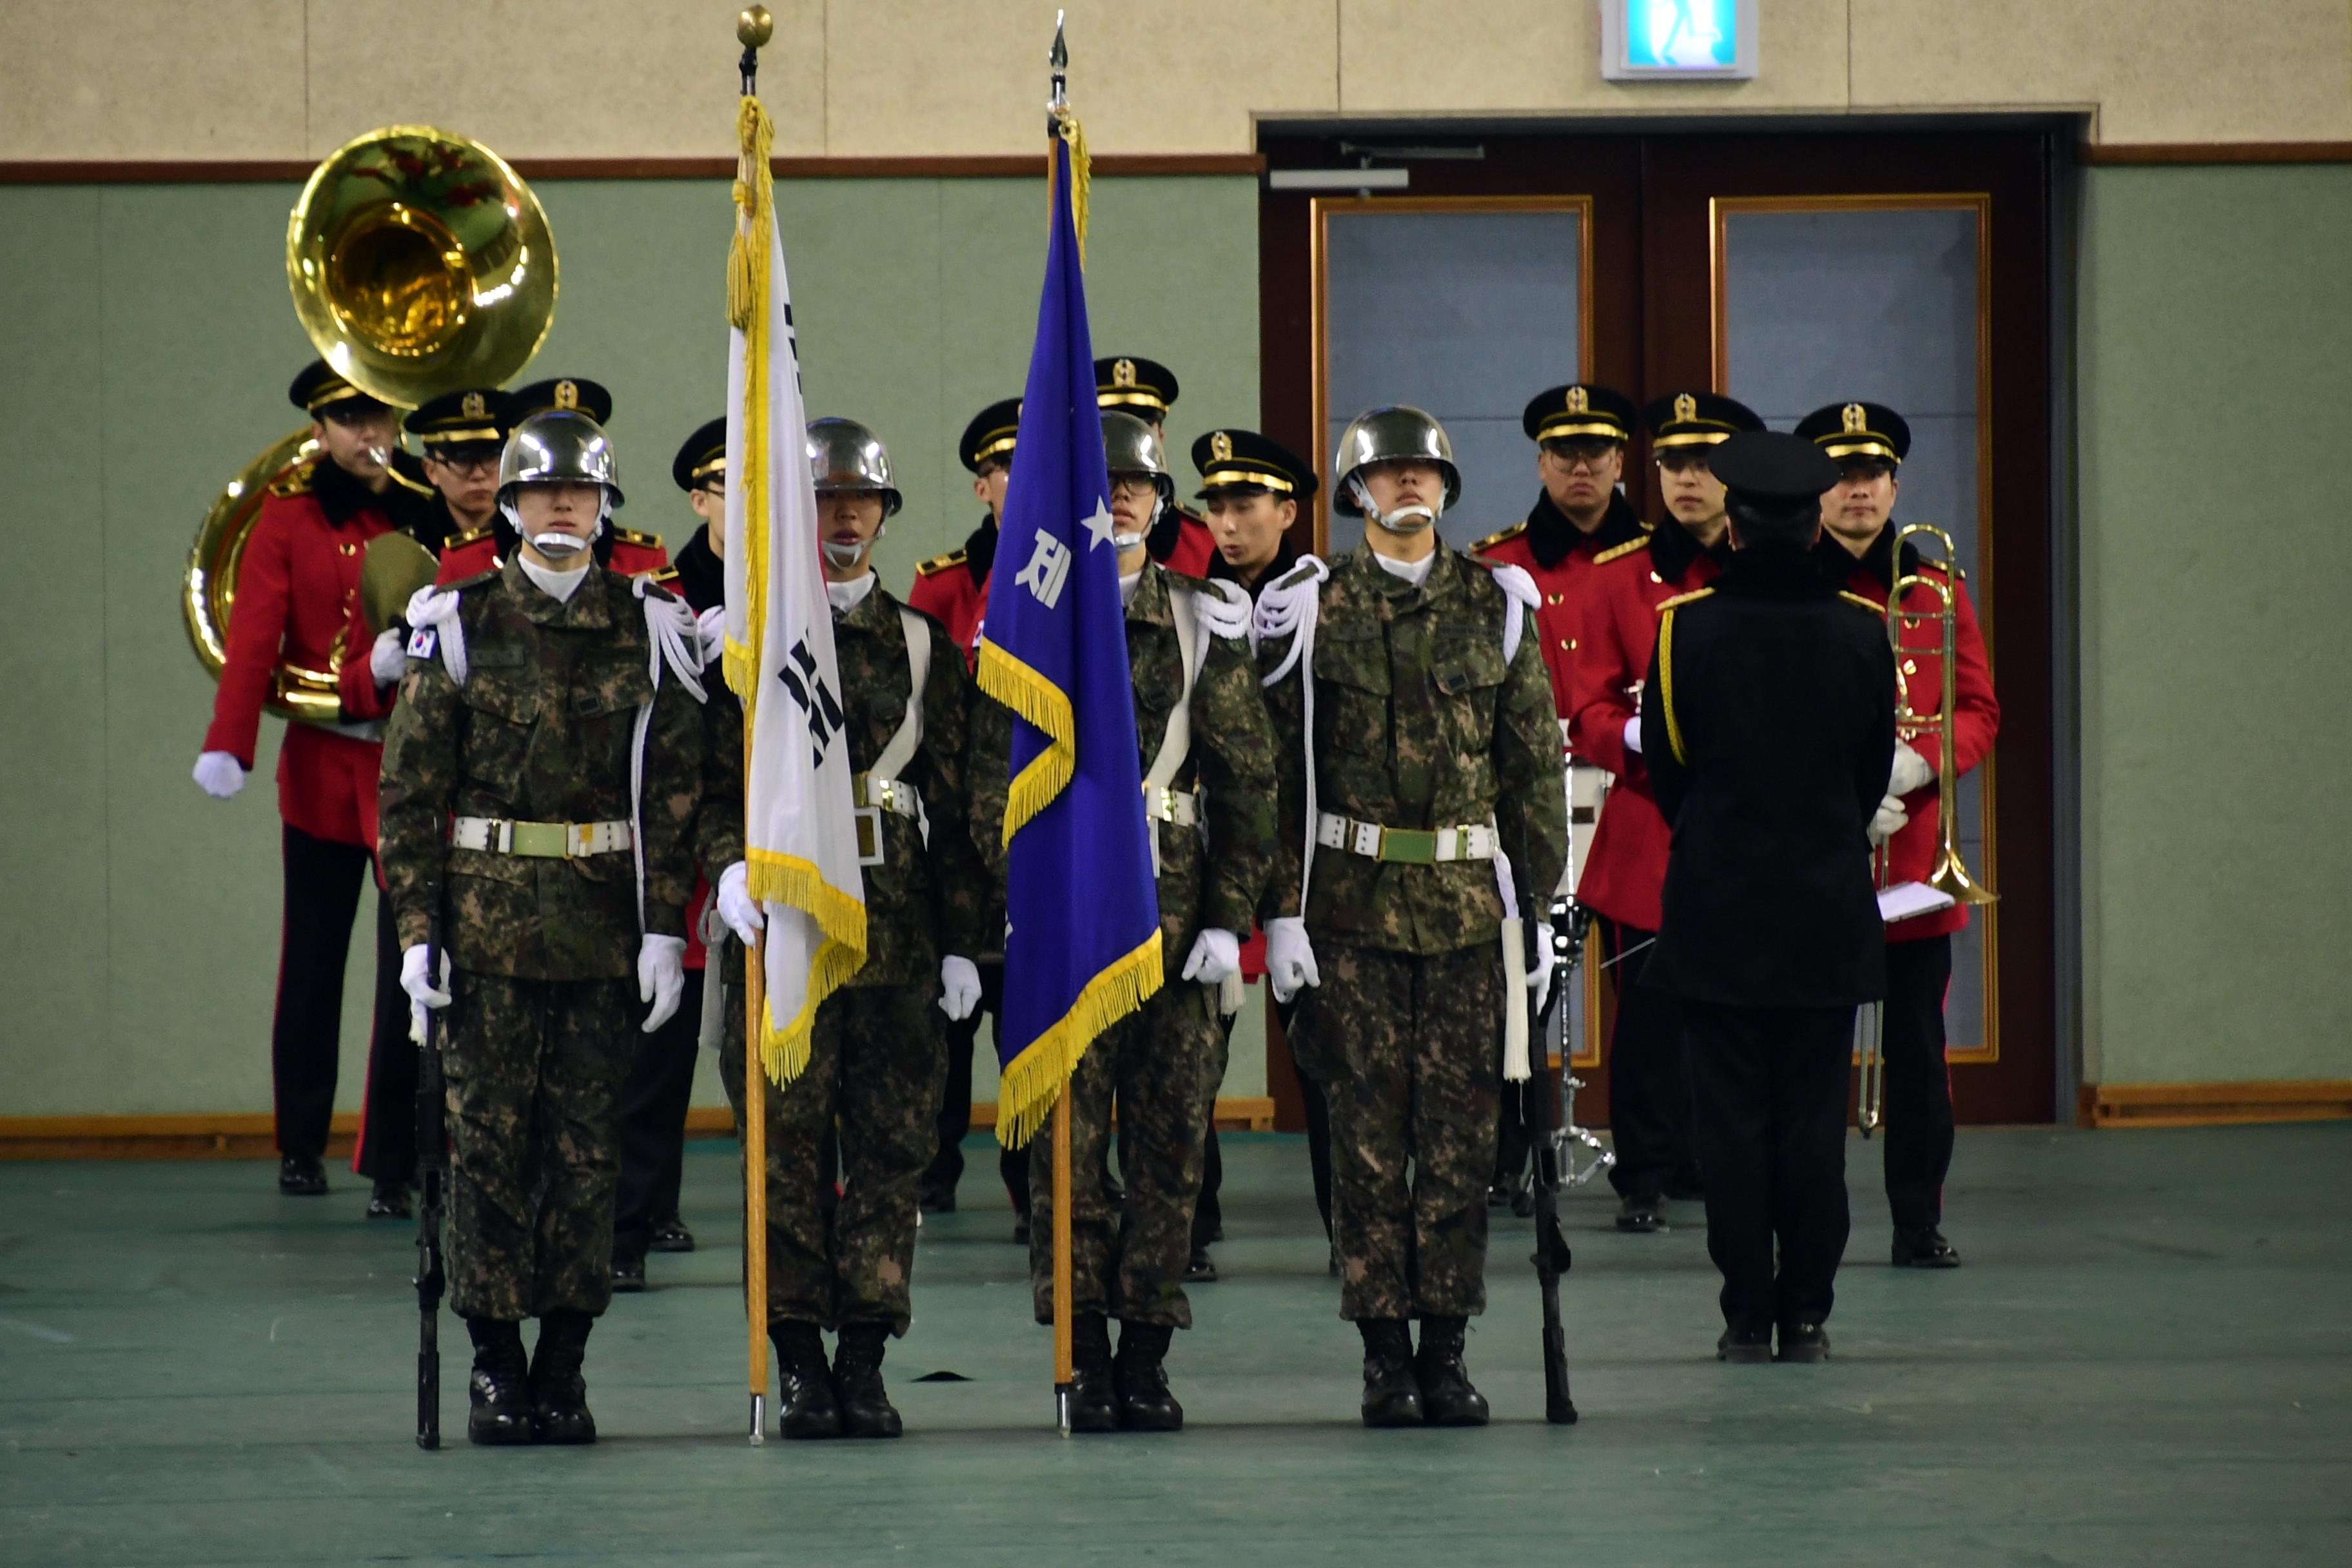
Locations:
{"points": [[958, 987], [1289, 958], [736, 905], [661, 977], [388, 658], [1887, 820], [1634, 734], [1540, 977], [218, 774], [711, 626], [1910, 772], [1216, 954], [422, 993]]}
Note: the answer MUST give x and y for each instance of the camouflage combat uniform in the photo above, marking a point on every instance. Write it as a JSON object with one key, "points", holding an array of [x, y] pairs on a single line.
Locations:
{"points": [[1157, 1062], [1419, 724], [544, 1009], [878, 1056]]}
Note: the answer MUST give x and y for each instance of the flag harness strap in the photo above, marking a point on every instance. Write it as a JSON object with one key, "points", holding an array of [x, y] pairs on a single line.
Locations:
{"points": [[1176, 740], [880, 788]]}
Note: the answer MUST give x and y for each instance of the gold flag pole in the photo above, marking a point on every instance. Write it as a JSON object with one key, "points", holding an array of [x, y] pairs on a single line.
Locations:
{"points": [[1057, 109], [754, 27]]}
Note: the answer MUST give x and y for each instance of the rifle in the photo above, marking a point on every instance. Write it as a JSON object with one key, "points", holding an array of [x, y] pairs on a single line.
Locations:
{"points": [[430, 1164], [1555, 1147]]}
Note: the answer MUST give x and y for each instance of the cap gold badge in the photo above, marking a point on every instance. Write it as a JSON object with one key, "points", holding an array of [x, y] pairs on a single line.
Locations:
{"points": [[567, 394], [473, 405], [1221, 447], [1686, 408], [1123, 373], [1577, 401], [1857, 423]]}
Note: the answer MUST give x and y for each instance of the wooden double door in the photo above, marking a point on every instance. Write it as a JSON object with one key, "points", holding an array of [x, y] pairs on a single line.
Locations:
{"points": [[1789, 272]]}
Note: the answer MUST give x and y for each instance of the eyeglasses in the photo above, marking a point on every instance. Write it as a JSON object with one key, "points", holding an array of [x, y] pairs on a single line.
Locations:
{"points": [[466, 463], [1133, 485]]}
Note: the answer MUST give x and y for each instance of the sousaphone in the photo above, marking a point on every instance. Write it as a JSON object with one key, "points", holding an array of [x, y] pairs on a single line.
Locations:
{"points": [[419, 263]]}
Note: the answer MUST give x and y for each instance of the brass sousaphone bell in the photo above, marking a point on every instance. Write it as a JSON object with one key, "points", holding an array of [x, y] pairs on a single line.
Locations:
{"points": [[419, 263]]}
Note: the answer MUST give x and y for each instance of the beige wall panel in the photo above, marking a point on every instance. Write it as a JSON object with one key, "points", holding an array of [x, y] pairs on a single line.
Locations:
{"points": [[572, 78], [911, 76], [150, 78], [2158, 71], [1538, 56]]}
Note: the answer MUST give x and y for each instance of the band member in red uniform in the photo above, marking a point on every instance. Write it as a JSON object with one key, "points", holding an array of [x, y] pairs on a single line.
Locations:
{"points": [[486, 548], [1624, 876], [296, 589], [1181, 540], [1869, 442], [1579, 431], [460, 434], [952, 589], [660, 1086]]}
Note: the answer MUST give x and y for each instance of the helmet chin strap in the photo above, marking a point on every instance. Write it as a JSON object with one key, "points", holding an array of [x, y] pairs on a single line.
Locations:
{"points": [[1404, 520], [1123, 543], [842, 557], [560, 546]]}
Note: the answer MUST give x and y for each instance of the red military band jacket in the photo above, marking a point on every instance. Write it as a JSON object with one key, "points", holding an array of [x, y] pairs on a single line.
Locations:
{"points": [[1626, 877], [1919, 663], [952, 589], [1182, 543], [296, 603], [1550, 550]]}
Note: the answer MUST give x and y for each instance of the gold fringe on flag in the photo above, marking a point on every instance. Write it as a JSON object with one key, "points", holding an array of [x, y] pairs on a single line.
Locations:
{"points": [[778, 879], [1067, 125], [1046, 706], [747, 311], [1033, 1080]]}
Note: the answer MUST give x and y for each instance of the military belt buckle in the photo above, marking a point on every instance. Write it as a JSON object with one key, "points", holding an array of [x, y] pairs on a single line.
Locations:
{"points": [[544, 840], [868, 819], [1409, 846]]}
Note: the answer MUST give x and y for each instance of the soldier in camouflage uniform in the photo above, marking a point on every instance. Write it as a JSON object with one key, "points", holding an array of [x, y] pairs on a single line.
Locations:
{"points": [[1212, 820], [1434, 746], [509, 811], [877, 1055]]}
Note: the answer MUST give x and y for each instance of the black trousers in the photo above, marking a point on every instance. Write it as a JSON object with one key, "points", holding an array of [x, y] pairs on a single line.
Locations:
{"points": [[322, 897], [654, 1099], [386, 1149], [1649, 1075], [1770, 1127], [1918, 1127], [946, 1168]]}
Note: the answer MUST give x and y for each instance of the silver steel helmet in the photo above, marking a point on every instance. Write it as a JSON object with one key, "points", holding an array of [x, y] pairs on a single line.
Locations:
{"points": [[846, 456], [1132, 447], [559, 447], [1386, 434]]}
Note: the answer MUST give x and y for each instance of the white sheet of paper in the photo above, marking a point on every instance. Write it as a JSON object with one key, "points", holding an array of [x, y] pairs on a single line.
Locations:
{"points": [[1905, 900]]}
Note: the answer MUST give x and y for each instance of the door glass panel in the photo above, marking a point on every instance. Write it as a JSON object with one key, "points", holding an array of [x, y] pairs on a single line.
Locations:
{"points": [[1879, 299], [1463, 313]]}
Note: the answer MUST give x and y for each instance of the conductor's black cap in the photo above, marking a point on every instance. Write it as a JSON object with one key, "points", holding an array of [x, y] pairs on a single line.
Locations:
{"points": [[1768, 465]]}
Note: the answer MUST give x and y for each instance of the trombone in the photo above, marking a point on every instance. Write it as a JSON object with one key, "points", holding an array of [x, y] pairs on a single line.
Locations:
{"points": [[1948, 874]]}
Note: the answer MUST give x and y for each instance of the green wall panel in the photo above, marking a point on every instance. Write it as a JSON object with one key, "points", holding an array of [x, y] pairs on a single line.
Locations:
{"points": [[143, 360], [2215, 369]]}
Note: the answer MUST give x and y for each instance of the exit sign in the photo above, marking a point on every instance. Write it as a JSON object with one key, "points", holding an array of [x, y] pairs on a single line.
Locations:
{"points": [[1677, 41]]}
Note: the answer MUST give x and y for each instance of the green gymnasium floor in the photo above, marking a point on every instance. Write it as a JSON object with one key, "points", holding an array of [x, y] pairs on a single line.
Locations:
{"points": [[2148, 1359]]}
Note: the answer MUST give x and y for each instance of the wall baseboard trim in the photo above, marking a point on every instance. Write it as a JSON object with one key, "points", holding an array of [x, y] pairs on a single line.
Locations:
{"points": [[182, 171], [2211, 1104], [2147, 154], [252, 1135]]}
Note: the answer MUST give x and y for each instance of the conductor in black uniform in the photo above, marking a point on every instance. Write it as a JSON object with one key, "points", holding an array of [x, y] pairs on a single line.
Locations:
{"points": [[1769, 726]]}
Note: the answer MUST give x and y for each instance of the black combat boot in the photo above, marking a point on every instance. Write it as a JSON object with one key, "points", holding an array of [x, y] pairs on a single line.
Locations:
{"points": [[1094, 1398], [500, 1386], [806, 1405], [1446, 1397], [1142, 1373], [1803, 1341], [1391, 1391], [389, 1201], [558, 1396], [865, 1407], [1924, 1249]]}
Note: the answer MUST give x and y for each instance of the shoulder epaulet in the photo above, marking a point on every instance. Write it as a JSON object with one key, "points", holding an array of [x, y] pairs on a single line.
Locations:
{"points": [[472, 534], [1859, 601], [1680, 599], [295, 481], [476, 581], [662, 576], [631, 536], [939, 563], [1297, 574], [1614, 550], [1492, 539], [1187, 512]]}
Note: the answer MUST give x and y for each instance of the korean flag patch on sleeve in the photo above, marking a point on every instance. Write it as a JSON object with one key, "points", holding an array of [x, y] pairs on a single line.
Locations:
{"points": [[423, 641]]}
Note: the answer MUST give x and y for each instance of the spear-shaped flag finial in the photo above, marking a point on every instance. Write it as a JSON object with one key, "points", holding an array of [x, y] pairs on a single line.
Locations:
{"points": [[1059, 59]]}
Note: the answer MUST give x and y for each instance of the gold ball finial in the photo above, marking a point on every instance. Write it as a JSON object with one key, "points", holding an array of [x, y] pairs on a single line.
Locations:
{"points": [[754, 27]]}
